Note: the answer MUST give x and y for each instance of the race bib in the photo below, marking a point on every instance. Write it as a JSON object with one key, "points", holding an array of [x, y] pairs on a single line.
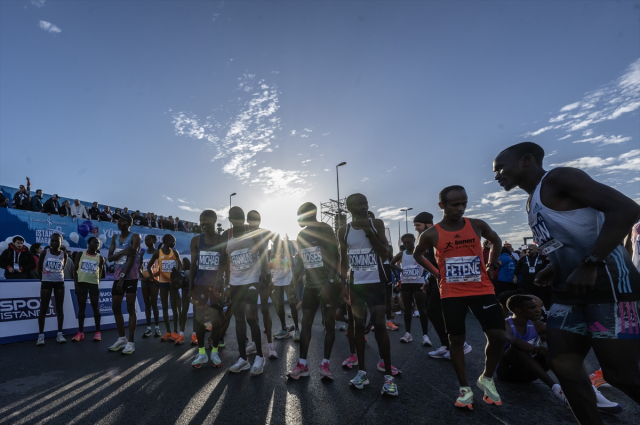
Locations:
{"points": [[242, 259], [412, 273], [122, 260], [16, 266], [208, 260], [312, 257], [463, 269], [87, 266], [363, 260], [53, 265], [168, 265], [543, 237], [145, 264], [532, 270]]}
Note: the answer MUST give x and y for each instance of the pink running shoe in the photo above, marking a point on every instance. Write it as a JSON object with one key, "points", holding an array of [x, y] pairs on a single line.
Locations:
{"points": [[298, 371], [350, 362], [97, 336], [325, 371], [79, 336], [394, 370]]}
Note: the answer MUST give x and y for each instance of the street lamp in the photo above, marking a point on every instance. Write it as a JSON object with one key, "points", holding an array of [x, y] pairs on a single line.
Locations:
{"points": [[338, 185], [233, 194], [406, 224]]}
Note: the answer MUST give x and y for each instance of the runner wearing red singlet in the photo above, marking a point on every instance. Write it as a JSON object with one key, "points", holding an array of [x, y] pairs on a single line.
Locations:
{"points": [[465, 285]]}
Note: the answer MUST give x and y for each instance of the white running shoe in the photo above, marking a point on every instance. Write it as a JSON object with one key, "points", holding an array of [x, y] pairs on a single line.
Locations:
{"points": [[605, 405], [272, 353], [251, 348], [60, 338], [557, 390], [426, 341], [258, 366], [129, 348], [406, 338], [416, 313], [466, 349], [119, 344], [342, 327], [40, 340], [240, 365], [199, 361], [440, 353]]}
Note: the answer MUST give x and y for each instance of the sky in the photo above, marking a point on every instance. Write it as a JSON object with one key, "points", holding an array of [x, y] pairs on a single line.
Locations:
{"points": [[172, 106]]}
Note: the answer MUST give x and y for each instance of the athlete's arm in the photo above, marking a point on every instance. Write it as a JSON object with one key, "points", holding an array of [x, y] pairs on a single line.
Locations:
{"points": [[112, 247], [223, 262], [75, 273], [40, 262], [140, 262], [378, 240], [344, 263], [195, 258], [298, 269], [152, 261], [489, 234], [135, 247], [395, 259], [102, 264], [628, 244], [519, 343], [426, 240], [178, 260], [331, 246]]}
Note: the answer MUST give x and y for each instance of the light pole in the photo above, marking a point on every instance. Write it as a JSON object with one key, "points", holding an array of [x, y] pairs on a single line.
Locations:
{"points": [[338, 186], [233, 194], [406, 224]]}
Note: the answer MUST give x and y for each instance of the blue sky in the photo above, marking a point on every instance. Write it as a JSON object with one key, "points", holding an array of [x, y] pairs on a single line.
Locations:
{"points": [[171, 106]]}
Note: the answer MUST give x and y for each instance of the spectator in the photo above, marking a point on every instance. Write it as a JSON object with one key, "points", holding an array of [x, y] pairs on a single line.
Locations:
{"points": [[528, 267], [16, 260], [180, 225], [36, 202], [151, 220], [52, 206], [106, 214], [3, 199], [168, 224], [144, 220], [22, 198], [78, 210], [125, 211], [35, 250], [94, 211], [136, 218], [505, 272], [65, 211]]}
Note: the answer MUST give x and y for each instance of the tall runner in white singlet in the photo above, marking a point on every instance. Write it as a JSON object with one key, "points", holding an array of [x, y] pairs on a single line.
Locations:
{"points": [[580, 224], [51, 268], [363, 247]]}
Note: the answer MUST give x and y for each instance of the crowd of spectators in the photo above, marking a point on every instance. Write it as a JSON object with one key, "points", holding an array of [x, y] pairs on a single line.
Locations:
{"points": [[22, 200]]}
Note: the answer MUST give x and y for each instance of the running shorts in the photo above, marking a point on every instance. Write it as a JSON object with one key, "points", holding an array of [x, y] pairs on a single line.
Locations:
{"points": [[93, 288], [410, 287], [485, 308], [369, 294], [312, 298], [244, 293], [52, 285], [619, 320], [203, 295], [130, 286]]}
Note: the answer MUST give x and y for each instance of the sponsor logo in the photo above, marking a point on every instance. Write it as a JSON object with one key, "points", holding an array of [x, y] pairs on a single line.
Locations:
{"points": [[49, 222], [44, 235], [456, 236], [487, 306], [466, 241], [105, 302], [13, 309]]}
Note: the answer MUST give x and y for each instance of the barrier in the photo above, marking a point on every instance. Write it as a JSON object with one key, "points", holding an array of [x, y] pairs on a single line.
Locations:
{"points": [[20, 306]]}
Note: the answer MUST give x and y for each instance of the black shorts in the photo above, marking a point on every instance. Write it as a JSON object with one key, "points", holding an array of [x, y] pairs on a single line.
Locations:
{"points": [[411, 287], [486, 308], [369, 294], [203, 295], [130, 286], [312, 298], [517, 372], [94, 289], [244, 293], [52, 285]]}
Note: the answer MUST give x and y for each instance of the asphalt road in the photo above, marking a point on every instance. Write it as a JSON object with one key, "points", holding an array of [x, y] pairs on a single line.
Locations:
{"points": [[84, 383]]}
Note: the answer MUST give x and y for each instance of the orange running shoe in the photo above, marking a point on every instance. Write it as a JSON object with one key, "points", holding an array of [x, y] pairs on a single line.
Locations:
{"points": [[194, 339], [174, 336], [166, 337], [597, 380], [180, 340], [391, 326]]}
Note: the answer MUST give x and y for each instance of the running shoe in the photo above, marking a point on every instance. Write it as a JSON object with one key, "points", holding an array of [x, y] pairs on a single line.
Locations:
{"points": [[174, 336], [194, 339], [389, 387], [325, 371], [282, 334], [350, 362], [426, 341], [342, 327], [291, 328], [166, 337], [406, 338], [597, 380], [299, 371], [40, 340], [222, 344], [467, 349], [179, 340], [360, 380], [251, 348], [391, 326], [97, 336], [557, 391], [394, 370], [272, 353], [296, 335], [208, 326], [215, 359], [61, 339], [605, 405], [199, 361], [465, 398], [440, 353], [368, 328], [491, 395], [240, 365], [258, 366], [157, 333], [119, 344], [129, 348], [79, 336], [147, 333]]}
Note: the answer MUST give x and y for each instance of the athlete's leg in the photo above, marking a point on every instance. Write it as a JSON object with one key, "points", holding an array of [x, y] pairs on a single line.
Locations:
{"points": [[351, 333], [254, 326], [199, 313], [494, 350], [434, 312], [329, 325], [94, 298], [278, 303], [514, 355], [133, 315], [487, 309], [164, 299], [310, 303], [382, 336], [618, 359], [407, 299], [266, 312], [359, 322], [81, 296], [175, 305], [153, 300], [293, 303], [184, 310], [59, 296], [45, 299], [147, 301], [455, 313], [421, 304], [116, 307]]}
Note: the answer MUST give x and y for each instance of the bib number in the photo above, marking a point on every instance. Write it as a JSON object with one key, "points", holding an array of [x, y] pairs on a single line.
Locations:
{"points": [[463, 269], [363, 260], [412, 273], [168, 265], [53, 265], [88, 267], [312, 257], [121, 260], [208, 260], [242, 259], [543, 237]]}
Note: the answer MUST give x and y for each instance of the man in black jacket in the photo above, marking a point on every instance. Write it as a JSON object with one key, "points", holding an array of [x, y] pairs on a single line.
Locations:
{"points": [[65, 210], [94, 211], [22, 198], [52, 206], [36, 202]]}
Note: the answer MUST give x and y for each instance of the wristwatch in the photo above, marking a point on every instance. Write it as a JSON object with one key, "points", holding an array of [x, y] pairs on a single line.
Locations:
{"points": [[122, 275], [592, 260]]}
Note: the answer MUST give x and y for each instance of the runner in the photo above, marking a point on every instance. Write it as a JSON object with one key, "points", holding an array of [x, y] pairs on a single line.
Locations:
{"points": [[180, 293], [580, 224], [124, 252], [364, 243], [205, 261], [51, 268], [465, 285], [242, 251], [149, 285], [281, 266], [86, 278], [413, 280], [166, 259], [319, 254]]}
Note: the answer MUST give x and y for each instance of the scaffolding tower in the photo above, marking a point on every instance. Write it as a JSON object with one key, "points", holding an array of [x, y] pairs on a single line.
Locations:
{"points": [[334, 213]]}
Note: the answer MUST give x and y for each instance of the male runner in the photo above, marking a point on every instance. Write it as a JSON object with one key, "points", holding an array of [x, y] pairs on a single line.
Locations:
{"points": [[364, 244], [319, 253], [243, 251], [464, 285], [205, 263], [580, 224], [124, 252]]}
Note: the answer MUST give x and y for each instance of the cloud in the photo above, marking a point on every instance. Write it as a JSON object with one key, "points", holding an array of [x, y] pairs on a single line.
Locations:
{"points": [[167, 198], [190, 209], [326, 134], [392, 213], [307, 130], [629, 161], [502, 197], [183, 201], [49, 27], [586, 162], [304, 135], [281, 181], [38, 3], [293, 132], [551, 154], [327, 169], [570, 107], [490, 181], [558, 118], [604, 140], [540, 131], [215, 17], [565, 137], [365, 179]]}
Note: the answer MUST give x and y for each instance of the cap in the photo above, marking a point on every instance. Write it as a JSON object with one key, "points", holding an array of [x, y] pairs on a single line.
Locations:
{"points": [[127, 217], [55, 195], [423, 217]]}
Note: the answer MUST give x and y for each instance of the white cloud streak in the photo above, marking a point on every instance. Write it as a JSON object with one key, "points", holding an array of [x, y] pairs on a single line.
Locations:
{"points": [[190, 209], [38, 3], [49, 27]]}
